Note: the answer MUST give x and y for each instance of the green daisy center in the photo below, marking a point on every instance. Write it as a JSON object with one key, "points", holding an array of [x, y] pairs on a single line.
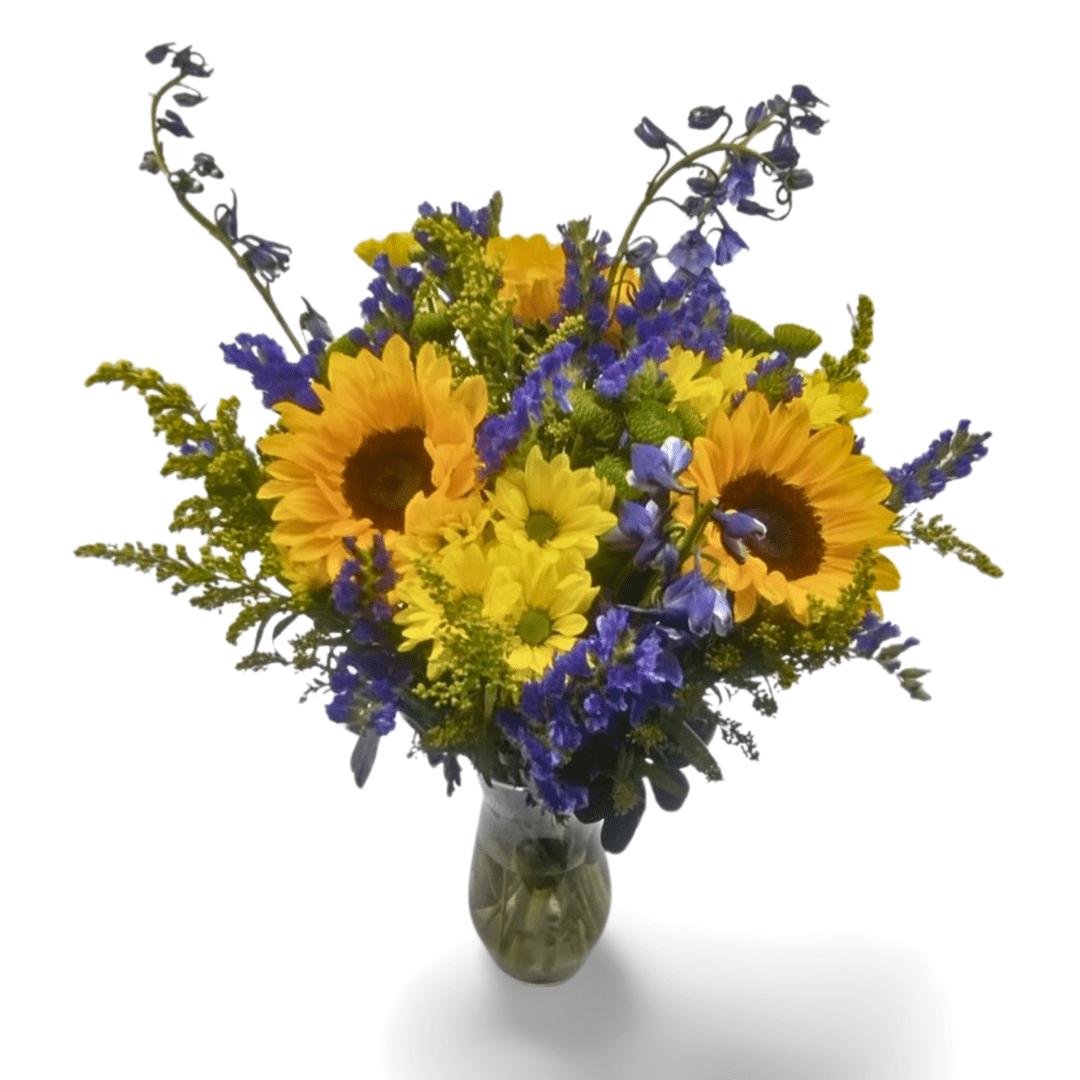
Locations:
{"points": [[540, 526], [534, 626]]}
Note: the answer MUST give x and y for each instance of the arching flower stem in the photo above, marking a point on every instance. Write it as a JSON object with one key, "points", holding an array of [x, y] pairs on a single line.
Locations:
{"points": [[739, 147], [206, 223]]}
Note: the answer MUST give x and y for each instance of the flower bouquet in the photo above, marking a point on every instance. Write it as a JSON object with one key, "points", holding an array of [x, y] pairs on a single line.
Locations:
{"points": [[549, 505]]}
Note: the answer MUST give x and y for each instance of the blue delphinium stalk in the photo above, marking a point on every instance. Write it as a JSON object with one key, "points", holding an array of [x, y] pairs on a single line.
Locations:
{"points": [[640, 531], [656, 469], [948, 457]]}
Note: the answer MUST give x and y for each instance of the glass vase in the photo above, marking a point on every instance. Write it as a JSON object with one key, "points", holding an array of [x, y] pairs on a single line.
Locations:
{"points": [[539, 891]]}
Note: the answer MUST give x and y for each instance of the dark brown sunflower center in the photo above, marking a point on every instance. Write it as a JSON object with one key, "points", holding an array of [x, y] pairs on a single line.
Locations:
{"points": [[385, 472], [792, 542]]}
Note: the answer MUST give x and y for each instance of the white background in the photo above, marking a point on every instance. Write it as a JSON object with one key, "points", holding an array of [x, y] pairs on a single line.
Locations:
{"points": [[192, 884]]}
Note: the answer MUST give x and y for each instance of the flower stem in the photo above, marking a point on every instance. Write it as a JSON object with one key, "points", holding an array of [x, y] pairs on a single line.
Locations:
{"points": [[697, 527], [206, 223], [738, 147]]}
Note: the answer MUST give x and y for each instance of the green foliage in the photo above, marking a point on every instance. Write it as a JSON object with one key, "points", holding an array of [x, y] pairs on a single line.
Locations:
{"points": [[613, 469], [485, 322], [594, 418], [653, 422], [745, 334], [796, 341], [474, 676], [862, 336], [690, 420], [944, 540], [775, 646], [234, 521]]}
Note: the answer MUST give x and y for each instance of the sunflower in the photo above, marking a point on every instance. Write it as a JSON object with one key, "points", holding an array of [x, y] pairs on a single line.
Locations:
{"points": [[543, 596], [820, 505], [388, 433], [550, 506]]}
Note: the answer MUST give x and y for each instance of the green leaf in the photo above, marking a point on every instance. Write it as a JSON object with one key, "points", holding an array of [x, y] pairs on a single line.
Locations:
{"points": [[688, 741]]}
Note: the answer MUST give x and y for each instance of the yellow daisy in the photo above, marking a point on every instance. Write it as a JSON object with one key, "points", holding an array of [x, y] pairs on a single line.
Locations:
{"points": [[709, 386], [532, 271], [544, 597], [819, 502], [389, 432], [398, 247], [550, 506], [466, 568]]}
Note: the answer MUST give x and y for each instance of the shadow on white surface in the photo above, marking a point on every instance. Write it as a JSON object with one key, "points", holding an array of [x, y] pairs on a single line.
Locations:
{"points": [[652, 1002]]}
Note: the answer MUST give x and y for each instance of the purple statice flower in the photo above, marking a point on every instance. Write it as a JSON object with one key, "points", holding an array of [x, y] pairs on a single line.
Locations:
{"points": [[616, 376], [370, 669], [390, 307], [687, 310], [279, 380], [776, 378], [656, 469], [499, 435], [478, 222], [949, 457], [585, 285]]}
